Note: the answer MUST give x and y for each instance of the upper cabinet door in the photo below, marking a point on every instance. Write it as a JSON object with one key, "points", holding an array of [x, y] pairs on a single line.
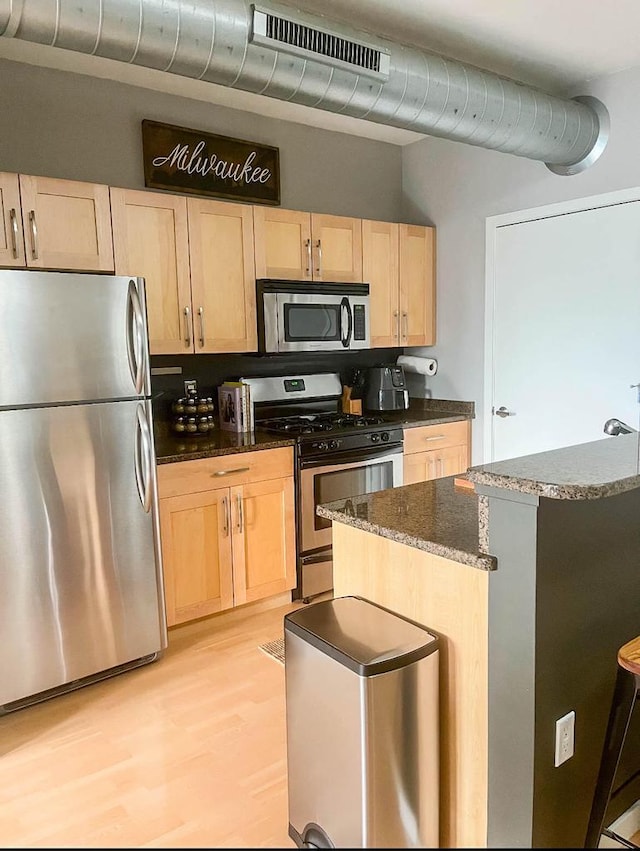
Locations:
{"points": [[151, 240], [283, 246], [337, 248], [380, 271], [417, 286], [223, 284], [67, 224], [11, 238]]}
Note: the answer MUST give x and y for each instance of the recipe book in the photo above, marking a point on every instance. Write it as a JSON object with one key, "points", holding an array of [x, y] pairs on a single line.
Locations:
{"points": [[235, 407]]}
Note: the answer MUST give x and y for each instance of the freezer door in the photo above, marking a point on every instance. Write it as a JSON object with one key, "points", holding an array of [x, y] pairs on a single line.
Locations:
{"points": [[68, 337], [80, 567]]}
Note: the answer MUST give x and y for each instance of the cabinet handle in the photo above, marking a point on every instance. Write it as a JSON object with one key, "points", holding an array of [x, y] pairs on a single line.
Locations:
{"points": [[187, 327], [405, 321], [436, 437], [396, 316], [13, 219], [240, 515], [230, 472], [201, 317], [34, 234], [319, 247], [307, 243], [227, 518]]}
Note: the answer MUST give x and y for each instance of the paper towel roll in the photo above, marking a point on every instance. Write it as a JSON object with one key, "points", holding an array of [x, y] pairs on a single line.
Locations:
{"points": [[422, 366]]}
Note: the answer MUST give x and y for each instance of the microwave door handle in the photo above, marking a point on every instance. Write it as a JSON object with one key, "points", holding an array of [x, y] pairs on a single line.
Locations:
{"points": [[345, 311]]}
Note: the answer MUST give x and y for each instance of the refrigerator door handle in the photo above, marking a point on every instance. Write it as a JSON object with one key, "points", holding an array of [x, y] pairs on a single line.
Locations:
{"points": [[135, 338], [142, 458]]}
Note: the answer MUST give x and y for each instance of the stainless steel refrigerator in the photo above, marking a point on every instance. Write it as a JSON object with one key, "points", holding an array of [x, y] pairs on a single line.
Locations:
{"points": [[81, 594]]}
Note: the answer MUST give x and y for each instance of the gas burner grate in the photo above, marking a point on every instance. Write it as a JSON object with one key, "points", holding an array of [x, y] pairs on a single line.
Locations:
{"points": [[296, 425], [357, 420], [314, 423]]}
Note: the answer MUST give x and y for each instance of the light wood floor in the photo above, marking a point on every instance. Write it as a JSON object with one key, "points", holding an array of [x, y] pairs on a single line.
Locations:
{"points": [[186, 752]]}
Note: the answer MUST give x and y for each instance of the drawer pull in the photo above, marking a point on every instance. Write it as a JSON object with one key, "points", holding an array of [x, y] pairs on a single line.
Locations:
{"points": [[436, 437], [230, 472]]}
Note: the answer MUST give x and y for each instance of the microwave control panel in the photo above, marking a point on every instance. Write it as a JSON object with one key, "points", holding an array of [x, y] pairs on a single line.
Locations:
{"points": [[359, 322]]}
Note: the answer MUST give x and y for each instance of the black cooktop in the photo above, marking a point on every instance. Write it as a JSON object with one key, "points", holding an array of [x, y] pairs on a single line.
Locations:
{"points": [[314, 423]]}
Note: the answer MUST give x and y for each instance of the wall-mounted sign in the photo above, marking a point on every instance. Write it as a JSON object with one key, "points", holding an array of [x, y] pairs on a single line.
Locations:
{"points": [[205, 164]]}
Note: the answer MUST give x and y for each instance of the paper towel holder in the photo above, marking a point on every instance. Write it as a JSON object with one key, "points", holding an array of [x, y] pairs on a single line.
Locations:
{"points": [[418, 365]]}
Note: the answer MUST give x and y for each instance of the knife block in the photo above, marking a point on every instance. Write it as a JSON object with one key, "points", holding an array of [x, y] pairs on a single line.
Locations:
{"points": [[349, 405]]}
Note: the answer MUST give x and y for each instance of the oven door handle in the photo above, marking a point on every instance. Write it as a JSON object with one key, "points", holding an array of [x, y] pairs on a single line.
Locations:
{"points": [[337, 459], [345, 314], [317, 558]]}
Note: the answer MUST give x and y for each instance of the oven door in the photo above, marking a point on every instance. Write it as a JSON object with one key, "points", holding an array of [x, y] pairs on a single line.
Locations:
{"points": [[345, 475], [314, 322]]}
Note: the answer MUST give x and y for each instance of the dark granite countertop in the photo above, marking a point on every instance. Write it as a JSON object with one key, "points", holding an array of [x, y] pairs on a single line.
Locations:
{"points": [[434, 516], [423, 412], [586, 471], [171, 447]]}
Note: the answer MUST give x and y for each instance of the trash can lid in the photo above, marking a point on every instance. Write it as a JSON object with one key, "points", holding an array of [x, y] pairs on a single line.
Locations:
{"points": [[361, 635]]}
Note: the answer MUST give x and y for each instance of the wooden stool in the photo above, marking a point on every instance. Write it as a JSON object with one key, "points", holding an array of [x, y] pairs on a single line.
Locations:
{"points": [[626, 691]]}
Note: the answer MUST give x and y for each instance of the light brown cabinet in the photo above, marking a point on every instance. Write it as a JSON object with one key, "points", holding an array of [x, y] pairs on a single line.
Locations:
{"points": [[197, 259], [399, 265], [228, 531], [294, 245], [433, 452], [223, 278], [55, 224], [151, 240], [200, 257], [11, 234]]}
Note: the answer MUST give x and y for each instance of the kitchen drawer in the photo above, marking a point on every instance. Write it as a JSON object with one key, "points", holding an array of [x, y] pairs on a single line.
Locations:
{"points": [[238, 468], [423, 438]]}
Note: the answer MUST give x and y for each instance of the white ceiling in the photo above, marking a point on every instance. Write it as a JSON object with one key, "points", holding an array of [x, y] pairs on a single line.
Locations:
{"points": [[553, 44]]}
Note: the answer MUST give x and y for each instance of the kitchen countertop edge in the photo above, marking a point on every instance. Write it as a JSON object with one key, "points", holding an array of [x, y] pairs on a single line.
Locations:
{"points": [[586, 471], [215, 452], [437, 500]]}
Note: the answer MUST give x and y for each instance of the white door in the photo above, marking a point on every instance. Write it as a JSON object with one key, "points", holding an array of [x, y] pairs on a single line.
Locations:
{"points": [[566, 329]]}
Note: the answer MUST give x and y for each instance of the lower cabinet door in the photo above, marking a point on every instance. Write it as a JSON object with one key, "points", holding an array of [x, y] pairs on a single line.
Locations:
{"points": [[435, 464], [453, 460], [263, 539], [196, 551]]}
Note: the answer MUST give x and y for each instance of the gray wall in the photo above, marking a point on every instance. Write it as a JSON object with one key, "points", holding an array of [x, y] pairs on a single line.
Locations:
{"points": [[59, 124], [456, 187]]}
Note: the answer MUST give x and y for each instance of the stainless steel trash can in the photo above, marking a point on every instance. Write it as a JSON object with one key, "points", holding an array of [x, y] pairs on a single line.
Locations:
{"points": [[362, 727]]}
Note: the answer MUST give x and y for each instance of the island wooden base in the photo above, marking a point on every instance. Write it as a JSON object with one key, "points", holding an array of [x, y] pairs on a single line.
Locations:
{"points": [[452, 600]]}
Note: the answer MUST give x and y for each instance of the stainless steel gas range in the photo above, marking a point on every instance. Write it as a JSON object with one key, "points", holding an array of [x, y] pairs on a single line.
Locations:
{"points": [[338, 456]]}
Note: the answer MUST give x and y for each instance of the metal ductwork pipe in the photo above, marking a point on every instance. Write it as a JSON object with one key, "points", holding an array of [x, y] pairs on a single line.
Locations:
{"points": [[281, 52]]}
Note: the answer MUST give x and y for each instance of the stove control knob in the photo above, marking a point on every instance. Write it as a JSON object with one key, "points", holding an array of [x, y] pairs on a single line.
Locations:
{"points": [[375, 437], [333, 444], [384, 436], [323, 446]]}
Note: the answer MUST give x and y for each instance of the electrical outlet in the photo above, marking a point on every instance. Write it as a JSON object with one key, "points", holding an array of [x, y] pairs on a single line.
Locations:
{"points": [[190, 386], [565, 737]]}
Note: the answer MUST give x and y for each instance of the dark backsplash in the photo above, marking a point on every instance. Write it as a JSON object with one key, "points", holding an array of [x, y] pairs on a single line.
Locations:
{"points": [[211, 370]]}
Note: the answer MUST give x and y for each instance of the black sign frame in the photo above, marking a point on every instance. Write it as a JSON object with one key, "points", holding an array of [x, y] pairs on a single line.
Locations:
{"points": [[184, 160]]}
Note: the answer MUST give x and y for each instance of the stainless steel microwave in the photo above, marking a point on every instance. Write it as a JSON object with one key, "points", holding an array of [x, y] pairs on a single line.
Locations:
{"points": [[301, 316]]}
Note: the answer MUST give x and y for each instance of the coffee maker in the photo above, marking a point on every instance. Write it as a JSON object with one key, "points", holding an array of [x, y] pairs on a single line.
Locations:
{"points": [[386, 389]]}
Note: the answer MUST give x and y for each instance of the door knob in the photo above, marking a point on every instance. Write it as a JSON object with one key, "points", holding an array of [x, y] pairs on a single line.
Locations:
{"points": [[503, 412]]}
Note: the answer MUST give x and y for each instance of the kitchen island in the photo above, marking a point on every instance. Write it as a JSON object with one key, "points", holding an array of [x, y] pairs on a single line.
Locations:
{"points": [[533, 581]]}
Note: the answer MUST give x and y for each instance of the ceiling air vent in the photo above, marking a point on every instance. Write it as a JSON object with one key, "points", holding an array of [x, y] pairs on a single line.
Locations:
{"points": [[282, 33]]}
